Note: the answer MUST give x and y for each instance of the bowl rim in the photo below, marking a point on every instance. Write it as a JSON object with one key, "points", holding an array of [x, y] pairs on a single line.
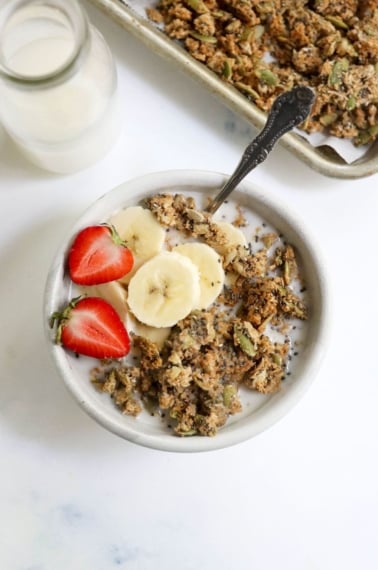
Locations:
{"points": [[262, 419]]}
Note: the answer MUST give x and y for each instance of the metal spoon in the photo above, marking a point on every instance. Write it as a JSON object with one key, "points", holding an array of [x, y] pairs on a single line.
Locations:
{"points": [[288, 110]]}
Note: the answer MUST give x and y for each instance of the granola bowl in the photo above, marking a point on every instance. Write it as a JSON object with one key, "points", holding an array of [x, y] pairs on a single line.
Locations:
{"points": [[266, 331]]}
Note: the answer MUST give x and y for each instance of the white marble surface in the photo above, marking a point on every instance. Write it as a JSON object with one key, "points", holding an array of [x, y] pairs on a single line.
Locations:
{"points": [[303, 495]]}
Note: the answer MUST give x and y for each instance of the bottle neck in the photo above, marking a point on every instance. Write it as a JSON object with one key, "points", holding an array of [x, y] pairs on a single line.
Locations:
{"points": [[42, 43]]}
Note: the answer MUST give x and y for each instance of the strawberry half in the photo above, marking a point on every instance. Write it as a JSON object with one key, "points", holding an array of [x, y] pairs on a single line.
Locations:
{"points": [[90, 326], [98, 255]]}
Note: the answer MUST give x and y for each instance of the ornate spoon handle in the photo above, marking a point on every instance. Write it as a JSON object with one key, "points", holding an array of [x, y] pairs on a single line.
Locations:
{"points": [[288, 110]]}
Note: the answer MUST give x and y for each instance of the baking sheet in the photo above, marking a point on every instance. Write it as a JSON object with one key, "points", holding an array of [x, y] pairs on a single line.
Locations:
{"points": [[130, 14]]}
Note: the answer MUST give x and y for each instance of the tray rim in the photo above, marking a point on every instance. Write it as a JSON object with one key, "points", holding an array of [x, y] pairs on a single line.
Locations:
{"points": [[321, 159]]}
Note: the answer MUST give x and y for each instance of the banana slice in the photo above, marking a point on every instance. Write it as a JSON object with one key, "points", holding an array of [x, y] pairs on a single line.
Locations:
{"points": [[233, 235], [164, 289], [156, 335], [210, 269], [113, 293], [142, 233]]}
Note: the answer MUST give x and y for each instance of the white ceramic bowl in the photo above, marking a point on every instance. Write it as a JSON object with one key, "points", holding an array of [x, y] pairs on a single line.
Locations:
{"points": [[259, 413]]}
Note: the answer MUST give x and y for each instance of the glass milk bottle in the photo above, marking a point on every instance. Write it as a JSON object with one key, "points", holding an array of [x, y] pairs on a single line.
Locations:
{"points": [[57, 84]]}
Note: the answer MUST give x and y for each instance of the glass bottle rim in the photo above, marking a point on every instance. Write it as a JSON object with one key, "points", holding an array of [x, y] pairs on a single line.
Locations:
{"points": [[80, 30]]}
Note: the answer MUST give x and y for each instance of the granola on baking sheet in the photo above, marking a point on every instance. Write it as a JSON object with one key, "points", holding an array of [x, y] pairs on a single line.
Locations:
{"points": [[266, 47], [194, 377]]}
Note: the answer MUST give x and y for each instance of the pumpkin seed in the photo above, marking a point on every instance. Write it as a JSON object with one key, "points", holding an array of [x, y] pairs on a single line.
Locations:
{"points": [[197, 5], [337, 22], [202, 38], [339, 67]]}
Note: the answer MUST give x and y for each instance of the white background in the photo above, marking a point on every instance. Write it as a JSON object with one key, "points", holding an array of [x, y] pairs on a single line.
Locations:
{"points": [[301, 496]]}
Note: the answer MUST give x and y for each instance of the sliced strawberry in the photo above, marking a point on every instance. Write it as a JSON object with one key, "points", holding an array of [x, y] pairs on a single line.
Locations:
{"points": [[98, 255], [90, 326]]}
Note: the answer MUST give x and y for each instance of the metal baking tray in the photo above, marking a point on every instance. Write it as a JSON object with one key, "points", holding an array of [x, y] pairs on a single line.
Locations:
{"points": [[323, 159]]}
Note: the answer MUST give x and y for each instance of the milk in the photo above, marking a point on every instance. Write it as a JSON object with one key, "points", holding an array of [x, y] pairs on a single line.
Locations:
{"points": [[65, 125], [42, 56]]}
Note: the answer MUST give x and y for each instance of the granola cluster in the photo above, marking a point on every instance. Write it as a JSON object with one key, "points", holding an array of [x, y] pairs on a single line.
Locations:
{"points": [[194, 377], [266, 47]]}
